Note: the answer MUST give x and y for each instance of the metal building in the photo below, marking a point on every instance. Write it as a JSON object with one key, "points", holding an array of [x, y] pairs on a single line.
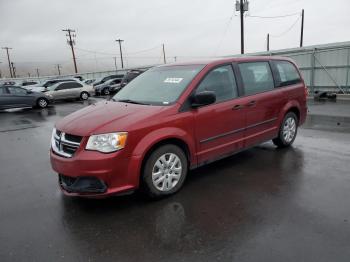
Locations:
{"points": [[324, 67]]}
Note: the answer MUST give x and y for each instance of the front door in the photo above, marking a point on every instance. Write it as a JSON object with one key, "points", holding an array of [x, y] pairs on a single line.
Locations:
{"points": [[219, 127]]}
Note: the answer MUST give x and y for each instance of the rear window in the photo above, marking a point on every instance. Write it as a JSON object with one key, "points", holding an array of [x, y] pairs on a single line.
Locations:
{"points": [[288, 74]]}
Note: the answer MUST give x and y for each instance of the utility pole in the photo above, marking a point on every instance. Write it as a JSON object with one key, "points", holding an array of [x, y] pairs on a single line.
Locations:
{"points": [[164, 55], [302, 28], [28, 74], [58, 69], [115, 63], [242, 6], [37, 72], [71, 42], [268, 42], [120, 50], [8, 58], [13, 69], [0, 71]]}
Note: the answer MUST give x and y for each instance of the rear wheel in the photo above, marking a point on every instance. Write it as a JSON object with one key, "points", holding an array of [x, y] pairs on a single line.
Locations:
{"points": [[165, 171], [288, 131], [84, 96], [42, 102]]}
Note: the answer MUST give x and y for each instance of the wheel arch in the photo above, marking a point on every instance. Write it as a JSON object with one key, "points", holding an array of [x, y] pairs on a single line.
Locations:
{"points": [[292, 106], [166, 141]]}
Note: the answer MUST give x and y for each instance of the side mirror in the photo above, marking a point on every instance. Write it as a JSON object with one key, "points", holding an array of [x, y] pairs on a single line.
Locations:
{"points": [[29, 92], [203, 98]]}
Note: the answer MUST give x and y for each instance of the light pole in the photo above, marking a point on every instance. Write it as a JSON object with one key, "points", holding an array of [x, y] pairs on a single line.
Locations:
{"points": [[120, 50], [242, 6]]}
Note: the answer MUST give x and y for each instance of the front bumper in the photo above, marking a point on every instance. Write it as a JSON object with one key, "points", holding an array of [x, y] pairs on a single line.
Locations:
{"points": [[94, 174]]}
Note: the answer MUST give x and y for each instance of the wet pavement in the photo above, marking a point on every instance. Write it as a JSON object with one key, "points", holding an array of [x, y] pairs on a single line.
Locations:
{"points": [[263, 204]]}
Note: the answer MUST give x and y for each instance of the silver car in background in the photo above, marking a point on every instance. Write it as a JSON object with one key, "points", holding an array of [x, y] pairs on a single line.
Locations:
{"points": [[67, 90]]}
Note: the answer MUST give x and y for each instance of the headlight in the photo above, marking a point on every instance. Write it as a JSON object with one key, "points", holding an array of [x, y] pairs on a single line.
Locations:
{"points": [[107, 143]]}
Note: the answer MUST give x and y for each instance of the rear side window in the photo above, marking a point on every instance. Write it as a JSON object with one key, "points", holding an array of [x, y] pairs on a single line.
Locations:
{"points": [[256, 77], [2, 91], [288, 74], [221, 81], [17, 91], [61, 87], [75, 85]]}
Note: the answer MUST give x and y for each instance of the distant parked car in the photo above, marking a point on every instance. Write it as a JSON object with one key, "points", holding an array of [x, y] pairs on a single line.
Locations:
{"points": [[30, 83], [69, 89], [104, 89], [89, 81], [106, 78], [130, 75], [15, 96], [80, 78], [8, 83], [43, 87]]}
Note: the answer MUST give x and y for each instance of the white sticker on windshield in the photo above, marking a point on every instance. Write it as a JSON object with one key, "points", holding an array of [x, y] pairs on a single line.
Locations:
{"points": [[173, 80]]}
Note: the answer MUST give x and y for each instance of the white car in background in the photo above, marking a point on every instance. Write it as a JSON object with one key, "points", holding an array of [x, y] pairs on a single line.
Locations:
{"points": [[44, 86], [69, 89]]}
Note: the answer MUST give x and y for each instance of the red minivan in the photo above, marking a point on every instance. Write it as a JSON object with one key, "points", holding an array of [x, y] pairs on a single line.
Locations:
{"points": [[174, 118]]}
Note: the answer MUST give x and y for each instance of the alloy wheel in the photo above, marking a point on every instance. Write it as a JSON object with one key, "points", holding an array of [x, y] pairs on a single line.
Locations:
{"points": [[289, 129], [166, 172]]}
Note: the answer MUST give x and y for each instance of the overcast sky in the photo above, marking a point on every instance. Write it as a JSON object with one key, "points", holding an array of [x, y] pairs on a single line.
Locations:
{"points": [[190, 29]]}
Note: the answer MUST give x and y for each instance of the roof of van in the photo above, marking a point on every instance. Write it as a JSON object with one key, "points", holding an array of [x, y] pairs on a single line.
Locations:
{"points": [[229, 60]]}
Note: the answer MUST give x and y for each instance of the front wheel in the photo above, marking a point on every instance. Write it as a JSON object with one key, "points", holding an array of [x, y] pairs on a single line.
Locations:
{"points": [[165, 171], [84, 96], [42, 102], [288, 131]]}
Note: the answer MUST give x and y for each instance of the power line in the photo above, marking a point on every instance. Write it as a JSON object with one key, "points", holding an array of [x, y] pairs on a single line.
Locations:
{"points": [[113, 54], [286, 31], [271, 17], [225, 32]]}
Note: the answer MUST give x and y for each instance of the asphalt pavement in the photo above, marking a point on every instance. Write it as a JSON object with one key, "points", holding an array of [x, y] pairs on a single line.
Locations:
{"points": [[263, 204]]}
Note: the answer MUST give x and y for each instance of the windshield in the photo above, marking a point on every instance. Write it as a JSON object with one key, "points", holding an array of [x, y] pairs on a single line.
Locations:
{"points": [[159, 85]]}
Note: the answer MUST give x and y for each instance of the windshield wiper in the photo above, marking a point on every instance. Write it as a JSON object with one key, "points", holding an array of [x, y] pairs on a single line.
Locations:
{"points": [[130, 101]]}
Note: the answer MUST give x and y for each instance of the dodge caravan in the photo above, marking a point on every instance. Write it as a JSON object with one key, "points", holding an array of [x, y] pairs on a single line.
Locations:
{"points": [[174, 118]]}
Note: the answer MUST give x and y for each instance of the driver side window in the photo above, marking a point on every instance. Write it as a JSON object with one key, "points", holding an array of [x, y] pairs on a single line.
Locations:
{"points": [[222, 82]]}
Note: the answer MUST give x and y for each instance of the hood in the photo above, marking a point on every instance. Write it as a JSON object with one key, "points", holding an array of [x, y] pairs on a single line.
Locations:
{"points": [[106, 117]]}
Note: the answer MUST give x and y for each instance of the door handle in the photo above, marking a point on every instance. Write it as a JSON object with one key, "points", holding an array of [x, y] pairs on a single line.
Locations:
{"points": [[251, 103], [237, 107]]}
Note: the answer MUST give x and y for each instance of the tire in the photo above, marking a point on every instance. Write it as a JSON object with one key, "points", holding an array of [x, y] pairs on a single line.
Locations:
{"points": [[288, 131], [162, 178], [84, 95], [106, 91], [42, 102]]}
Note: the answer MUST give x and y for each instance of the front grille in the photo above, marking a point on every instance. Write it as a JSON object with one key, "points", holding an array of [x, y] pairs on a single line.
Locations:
{"points": [[65, 144], [82, 184]]}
